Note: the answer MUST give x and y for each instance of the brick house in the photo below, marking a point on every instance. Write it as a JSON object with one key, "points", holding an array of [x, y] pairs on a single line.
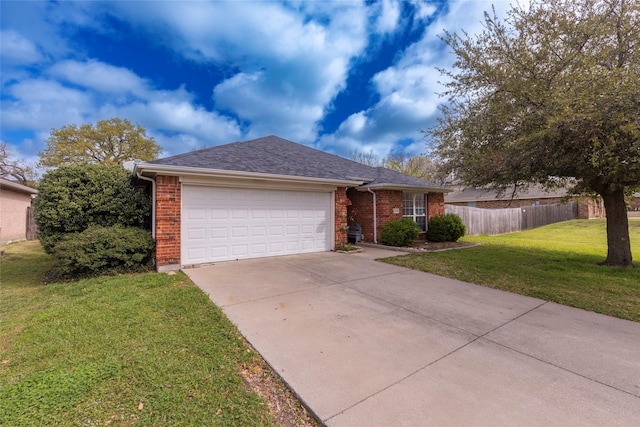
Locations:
{"points": [[269, 197], [534, 195], [15, 200]]}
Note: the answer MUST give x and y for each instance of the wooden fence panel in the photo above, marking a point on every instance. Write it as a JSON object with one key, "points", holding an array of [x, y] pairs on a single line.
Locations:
{"points": [[32, 228], [509, 220], [537, 216], [487, 221]]}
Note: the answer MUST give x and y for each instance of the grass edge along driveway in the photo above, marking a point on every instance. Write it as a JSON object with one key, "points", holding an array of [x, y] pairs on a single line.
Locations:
{"points": [[558, 263], [140, 349]]}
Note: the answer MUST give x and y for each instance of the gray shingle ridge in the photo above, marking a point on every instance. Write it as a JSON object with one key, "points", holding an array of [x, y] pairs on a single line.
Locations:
{"points": [[274, 155]]}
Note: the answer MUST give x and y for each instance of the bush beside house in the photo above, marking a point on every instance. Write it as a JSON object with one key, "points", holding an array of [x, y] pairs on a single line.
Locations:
{"points": [[445, 228], [74, 198], [114, 249], [400, 233]]}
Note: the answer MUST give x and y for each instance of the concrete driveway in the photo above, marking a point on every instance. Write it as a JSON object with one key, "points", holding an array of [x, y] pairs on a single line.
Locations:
{"points": [[364, 343]]}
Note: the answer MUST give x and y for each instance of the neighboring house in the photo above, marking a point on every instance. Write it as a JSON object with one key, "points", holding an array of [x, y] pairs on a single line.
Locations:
{"points": [[15, 199], [270, 196], [532, 196]]}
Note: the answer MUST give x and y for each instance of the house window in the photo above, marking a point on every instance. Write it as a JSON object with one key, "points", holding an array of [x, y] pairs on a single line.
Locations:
{"points": [[414, 206]]}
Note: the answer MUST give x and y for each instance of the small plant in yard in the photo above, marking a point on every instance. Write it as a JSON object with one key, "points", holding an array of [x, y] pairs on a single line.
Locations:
{"points": [[399, 233], [445, 228], [347, 247]]}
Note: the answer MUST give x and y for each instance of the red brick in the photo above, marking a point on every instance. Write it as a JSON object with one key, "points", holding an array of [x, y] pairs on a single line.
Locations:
{"points": [[168, 204]]}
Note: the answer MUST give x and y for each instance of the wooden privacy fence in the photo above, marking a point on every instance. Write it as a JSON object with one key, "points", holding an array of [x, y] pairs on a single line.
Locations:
{"points": [[508, 220], [32, 228]]}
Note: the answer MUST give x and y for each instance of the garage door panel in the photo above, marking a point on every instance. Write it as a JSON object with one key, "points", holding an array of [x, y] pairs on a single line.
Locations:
{"points": [[258, 214], [240, 251], [219, 232], [197, 234], [276, 230], [225, 223], [217, 214], [258, 232]]}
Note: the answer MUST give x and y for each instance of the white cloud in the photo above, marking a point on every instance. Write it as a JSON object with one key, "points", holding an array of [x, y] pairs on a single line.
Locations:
{"points": [[100, 77], [423, 10], [178, 126], [285, 65], [409, 89], [291, 59], [17, 49], [83, 92], [387, 14], [41, 104]]}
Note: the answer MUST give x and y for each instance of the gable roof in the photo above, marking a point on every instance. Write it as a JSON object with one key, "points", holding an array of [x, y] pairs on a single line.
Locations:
{"points": [[273, 156]]}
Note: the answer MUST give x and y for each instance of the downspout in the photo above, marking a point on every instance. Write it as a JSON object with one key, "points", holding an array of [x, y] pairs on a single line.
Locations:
{"points": [[153, 202], [375, 217]]}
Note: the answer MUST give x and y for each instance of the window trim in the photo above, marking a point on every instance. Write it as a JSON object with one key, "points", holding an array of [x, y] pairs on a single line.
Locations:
{"points": [[413, 207]]}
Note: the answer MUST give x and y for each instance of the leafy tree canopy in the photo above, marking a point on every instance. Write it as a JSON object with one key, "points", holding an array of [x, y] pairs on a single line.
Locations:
{"points": [[418, 166], [15, 169], [111, 142], [552, 96]]}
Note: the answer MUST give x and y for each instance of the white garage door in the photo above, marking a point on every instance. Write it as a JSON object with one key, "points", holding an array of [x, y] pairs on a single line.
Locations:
{"points": [[221, 224]]}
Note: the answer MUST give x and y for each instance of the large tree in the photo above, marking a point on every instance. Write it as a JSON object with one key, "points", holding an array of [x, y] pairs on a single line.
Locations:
{"points": [[551, 95], [111, 142], [418, 166], [16, 169]]}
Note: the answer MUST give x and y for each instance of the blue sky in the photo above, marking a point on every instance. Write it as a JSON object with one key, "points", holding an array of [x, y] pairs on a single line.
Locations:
{"points": [[337, 76]]}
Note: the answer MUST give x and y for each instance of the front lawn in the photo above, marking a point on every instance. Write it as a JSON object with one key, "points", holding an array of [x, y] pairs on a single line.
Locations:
{"points": [[142, 349], [558, 262]]}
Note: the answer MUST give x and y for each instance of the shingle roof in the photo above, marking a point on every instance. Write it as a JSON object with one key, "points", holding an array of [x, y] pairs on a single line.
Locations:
{"points": [[274, 155], [474, 194]]}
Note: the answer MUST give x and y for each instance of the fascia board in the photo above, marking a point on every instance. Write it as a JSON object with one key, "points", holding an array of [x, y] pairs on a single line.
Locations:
{"points": [[149, 169], [14, 186], [399, 187]]}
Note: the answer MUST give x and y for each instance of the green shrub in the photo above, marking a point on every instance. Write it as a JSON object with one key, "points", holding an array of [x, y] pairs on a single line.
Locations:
{"points": [[445, 228], [400, 233], [72, 198], [103, 250]]}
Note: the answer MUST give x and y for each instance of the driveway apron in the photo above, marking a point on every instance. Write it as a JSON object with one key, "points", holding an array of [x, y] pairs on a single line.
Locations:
{"points": [[364, 343]]}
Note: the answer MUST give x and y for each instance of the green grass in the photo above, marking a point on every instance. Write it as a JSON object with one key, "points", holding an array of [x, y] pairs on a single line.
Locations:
{"points": [[144, 349], [557, 263]]}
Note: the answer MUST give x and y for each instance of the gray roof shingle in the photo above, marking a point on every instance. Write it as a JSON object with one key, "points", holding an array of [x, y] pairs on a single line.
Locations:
{"points": [[274, 155]]}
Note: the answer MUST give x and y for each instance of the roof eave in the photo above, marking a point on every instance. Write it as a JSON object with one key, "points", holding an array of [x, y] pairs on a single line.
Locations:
{"points": [[151, 170], [14, 186], [403, 187]]}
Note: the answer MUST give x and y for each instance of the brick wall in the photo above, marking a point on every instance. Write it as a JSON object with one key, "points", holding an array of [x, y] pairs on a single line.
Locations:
{"points": [[168, 205], [435, 205], [386, 201], [341, 216], [362, 203]]}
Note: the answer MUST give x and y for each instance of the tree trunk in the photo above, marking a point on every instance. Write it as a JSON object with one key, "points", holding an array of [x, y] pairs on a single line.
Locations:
{"points": [[618, 244]]}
